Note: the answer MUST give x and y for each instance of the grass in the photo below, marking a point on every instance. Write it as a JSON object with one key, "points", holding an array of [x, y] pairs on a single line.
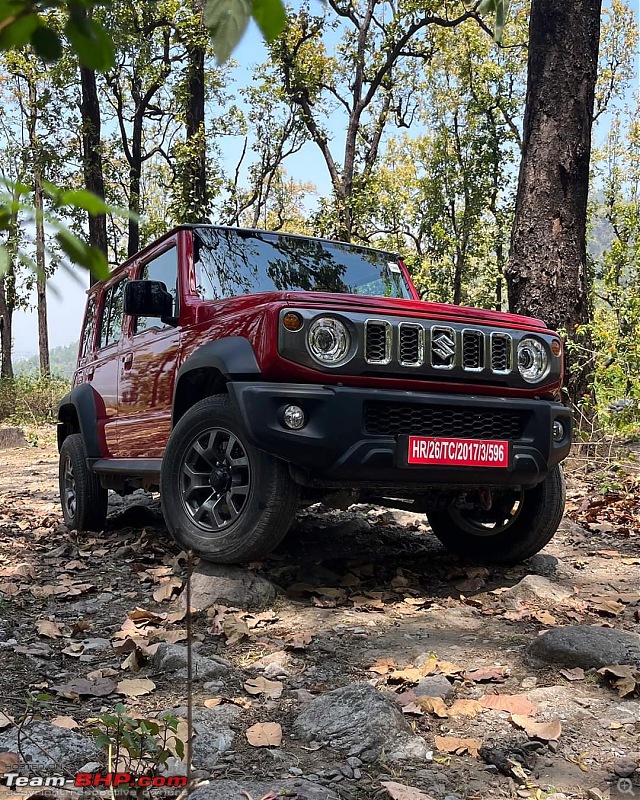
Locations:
{"points": [[31, 399]]}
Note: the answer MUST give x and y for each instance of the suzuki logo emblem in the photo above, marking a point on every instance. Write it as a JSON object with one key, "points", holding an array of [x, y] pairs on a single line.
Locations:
{"points": [[444, 347]]}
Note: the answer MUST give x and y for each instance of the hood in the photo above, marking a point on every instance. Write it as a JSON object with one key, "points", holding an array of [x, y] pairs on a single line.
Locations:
{"points": [[414, 308]]}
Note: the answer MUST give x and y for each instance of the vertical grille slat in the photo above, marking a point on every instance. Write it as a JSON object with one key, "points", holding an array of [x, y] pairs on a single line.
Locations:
{"points": [[377, 345], [410, 345], [472, 351], [501, 353]]}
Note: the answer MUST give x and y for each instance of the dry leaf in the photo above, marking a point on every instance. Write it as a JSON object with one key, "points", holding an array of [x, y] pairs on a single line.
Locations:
{"points": [[448, 668], [298, 641], [8, 762], [260, 685], [453, 744], [575, 674], [433, 705], [265, 734], [383, 666], [627, 678], [212, 702], [465, 708], [235, 630], [412, 708], [167, 589], [9, 589], [513, 703], [65, 722], [398, 791], [496, 674], [544, 617], [5, 720], [547, 731], [610, 608], [100, 687], [49, 629], [408, 675], [135, 687]]}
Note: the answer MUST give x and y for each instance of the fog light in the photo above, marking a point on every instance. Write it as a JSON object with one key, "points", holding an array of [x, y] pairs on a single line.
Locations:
{"points": [[558, 431], [294, 417]]}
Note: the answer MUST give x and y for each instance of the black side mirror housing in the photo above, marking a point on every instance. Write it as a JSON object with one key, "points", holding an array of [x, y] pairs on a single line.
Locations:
{"points": [[149, 299]]}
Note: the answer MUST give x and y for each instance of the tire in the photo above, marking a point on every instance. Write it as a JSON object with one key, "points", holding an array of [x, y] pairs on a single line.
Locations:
{"points": [[221, 497], [531, 519], [83, 499]]}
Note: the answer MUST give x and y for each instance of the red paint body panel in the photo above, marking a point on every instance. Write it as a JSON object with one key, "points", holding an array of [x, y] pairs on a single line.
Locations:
{"points": [[134, 381]]}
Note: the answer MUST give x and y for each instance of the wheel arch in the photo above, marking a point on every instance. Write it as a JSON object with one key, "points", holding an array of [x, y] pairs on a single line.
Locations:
{"points": [[209, 369], [77, 414]]}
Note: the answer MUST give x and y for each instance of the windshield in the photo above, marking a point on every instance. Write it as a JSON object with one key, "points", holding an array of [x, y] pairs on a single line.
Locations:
{"points": [[232, 262]]}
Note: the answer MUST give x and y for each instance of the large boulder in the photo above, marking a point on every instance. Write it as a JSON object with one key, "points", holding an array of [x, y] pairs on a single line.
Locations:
{"points": [[586, 646], [232, 586], [44, 747], [361, 721], [173, 658], [234, 790], [535, 589]]}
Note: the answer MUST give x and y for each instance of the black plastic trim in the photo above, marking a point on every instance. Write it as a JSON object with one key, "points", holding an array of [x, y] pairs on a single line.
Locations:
{"points": [[126, 466], [82, 399]]}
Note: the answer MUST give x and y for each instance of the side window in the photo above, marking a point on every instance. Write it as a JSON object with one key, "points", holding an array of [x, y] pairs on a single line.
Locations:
{"points": [[89, 326], [111, 317], [162, 268]]}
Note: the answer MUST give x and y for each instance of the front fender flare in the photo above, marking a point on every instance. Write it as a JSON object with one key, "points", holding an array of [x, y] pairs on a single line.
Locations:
{"points": [[81, 398]]}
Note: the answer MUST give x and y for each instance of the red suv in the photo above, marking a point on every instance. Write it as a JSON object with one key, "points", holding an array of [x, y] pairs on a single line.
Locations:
{"points": [[244, 373]]}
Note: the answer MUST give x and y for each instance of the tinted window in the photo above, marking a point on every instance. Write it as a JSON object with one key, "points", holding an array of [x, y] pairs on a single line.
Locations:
{"points": [[229, 263], [163, 268], [111, 318], [89, 326]]}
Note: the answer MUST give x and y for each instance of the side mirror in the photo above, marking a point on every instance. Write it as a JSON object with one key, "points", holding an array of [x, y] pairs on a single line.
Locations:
{"points": [[148, 299]]}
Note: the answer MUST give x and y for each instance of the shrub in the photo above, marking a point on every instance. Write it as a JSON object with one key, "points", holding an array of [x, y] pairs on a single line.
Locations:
{"points": [[31, 399]]}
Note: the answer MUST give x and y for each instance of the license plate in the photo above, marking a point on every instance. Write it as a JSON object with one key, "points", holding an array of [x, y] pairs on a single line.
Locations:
{"points": [[458, 452]]}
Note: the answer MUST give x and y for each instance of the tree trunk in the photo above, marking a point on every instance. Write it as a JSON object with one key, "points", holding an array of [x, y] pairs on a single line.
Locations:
{"points": [[546, 274], [41, 280], [135, 176], [6, 322], [196, 140], [92, 155]]}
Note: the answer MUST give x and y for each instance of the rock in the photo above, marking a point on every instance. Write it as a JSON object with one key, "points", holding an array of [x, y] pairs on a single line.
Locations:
{"points": [[586, 646], [232, 790], [173, 658], [407, 748], [233, 586], [436, 686], [12, 437], [359, 719], [625, 767], [535, 587], [43, 747], [213, 734]]}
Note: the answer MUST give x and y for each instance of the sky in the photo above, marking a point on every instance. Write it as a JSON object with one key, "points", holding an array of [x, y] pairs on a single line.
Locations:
{"points": [[66, 291]]}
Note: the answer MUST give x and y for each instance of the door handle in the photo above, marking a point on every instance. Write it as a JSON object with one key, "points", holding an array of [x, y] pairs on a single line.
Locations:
{"points": [[127, 361]]}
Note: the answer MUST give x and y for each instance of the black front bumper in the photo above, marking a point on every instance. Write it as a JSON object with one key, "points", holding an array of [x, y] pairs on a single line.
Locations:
{"points": [[335, 445]]}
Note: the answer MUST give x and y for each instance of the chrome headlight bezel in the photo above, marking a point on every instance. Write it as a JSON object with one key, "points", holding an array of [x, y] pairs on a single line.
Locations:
{"points": [[337, 341], [538, 362]]}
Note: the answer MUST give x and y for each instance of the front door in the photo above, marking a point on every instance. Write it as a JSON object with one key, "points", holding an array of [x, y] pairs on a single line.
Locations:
{"points": [[149, 362]]}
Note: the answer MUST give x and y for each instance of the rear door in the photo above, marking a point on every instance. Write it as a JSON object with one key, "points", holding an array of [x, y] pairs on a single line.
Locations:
{"points": [[102, 370], [149, 362]]}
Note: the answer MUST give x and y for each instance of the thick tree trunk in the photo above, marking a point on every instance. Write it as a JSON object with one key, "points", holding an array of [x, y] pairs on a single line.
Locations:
{"points": [[6, 323], [135, 176], [92, 155], [546, 274], [196, 170]]}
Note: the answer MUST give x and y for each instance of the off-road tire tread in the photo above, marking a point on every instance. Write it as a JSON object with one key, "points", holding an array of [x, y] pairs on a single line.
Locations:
{"points": [[533, 530], [91, 497]]}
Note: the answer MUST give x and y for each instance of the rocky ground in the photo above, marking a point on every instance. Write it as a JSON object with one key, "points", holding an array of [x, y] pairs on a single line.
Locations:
{"points": [[359, 661]]}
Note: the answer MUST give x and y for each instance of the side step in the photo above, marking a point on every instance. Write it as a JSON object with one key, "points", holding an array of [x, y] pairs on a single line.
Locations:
{"points": [[126, 466]]}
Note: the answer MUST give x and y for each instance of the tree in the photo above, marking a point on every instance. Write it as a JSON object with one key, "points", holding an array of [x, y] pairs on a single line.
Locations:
{"points": [[547, 270]]}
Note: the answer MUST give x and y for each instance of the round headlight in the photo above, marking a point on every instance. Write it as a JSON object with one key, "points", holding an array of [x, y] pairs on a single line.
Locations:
{"points": [[533, 361], [328, 340]]}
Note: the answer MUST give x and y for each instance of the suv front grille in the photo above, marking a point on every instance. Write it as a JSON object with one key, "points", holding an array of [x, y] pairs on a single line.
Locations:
{"points": [[377, 348], [392, 419]]}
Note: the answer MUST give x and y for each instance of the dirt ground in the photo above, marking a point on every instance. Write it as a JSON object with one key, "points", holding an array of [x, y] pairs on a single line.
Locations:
{"points": [[363, 588]]}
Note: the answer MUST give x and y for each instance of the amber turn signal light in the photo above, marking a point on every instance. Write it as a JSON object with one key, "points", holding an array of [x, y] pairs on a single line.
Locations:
{"points": [[292, 321], [556, 347]]}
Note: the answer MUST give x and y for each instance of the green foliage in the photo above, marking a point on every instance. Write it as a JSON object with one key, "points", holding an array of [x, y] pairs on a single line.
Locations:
{"points": [[31, 399], [62, 359], [138, 745], [227, 21]]}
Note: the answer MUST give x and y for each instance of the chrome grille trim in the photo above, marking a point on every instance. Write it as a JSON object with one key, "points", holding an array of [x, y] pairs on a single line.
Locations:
{"points": [[501, 353], [411, 335], [378, 334], [443, 353]]}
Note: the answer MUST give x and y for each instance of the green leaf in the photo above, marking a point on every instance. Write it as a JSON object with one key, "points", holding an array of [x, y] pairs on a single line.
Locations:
{"points": [[91, 42], [18, 33], [227, 21], [270, 17], [80, 198], [84, 254], [46, 43]]}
